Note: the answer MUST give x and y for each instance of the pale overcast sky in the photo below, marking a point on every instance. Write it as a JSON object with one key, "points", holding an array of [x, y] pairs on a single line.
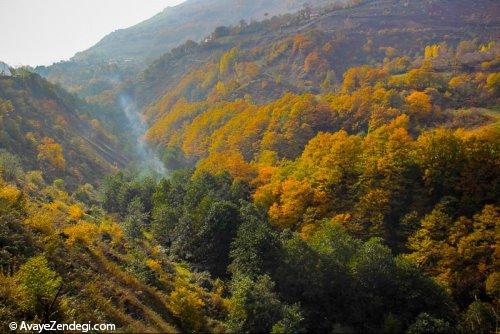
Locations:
{"points": [[40, 32]]}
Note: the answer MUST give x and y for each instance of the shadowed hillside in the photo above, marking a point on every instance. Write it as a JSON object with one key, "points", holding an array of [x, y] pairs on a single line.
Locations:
{"points": [[52, 130]]}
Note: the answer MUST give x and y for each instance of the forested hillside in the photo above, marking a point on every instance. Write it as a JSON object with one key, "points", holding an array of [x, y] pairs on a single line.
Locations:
{"points": [[190, 20], [335, 170], [310, 51], [44, 127], [123, 53], [64, 259]]}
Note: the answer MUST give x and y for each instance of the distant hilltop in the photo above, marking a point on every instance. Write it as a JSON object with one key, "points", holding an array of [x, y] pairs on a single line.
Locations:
{"points": [[5, 69]]}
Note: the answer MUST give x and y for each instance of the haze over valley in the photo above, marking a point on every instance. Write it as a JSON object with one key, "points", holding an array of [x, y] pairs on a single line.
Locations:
{"points": [[254, 167]]}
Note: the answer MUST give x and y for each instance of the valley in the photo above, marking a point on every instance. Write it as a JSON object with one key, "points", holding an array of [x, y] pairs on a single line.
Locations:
{"points": [[260, 167]]}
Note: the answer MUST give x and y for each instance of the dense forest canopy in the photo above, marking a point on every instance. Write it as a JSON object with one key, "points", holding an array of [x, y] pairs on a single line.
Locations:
{"points": [[334, 170]]}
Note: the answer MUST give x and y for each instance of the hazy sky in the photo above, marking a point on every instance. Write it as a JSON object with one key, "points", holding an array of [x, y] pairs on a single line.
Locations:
{"points": [[40, 32]]}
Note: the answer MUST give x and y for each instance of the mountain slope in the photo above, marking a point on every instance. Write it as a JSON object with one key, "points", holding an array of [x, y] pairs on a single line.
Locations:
{"points": [[303, 53], [64, 260], [122, 53], [332, 171], [206, 96], [54, 131], [189, 20]]}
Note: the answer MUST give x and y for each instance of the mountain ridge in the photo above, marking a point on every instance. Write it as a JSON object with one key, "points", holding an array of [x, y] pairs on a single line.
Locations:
{"points": [[158, 31], [122, 54], [352, 29]]}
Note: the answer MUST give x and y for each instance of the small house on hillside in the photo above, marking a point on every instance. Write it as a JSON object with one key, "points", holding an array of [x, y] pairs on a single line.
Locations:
{"points": [[5, 70]]}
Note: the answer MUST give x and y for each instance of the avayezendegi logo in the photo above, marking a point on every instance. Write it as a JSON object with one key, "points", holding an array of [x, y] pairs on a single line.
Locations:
{"points": [[54, 326]]}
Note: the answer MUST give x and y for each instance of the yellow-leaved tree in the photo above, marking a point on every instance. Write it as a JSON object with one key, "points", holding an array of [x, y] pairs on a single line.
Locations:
{"points": [[51, 152]]}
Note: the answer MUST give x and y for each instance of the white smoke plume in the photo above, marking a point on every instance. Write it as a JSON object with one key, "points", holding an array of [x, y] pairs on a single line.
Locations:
{"points": [[148, 158]]}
